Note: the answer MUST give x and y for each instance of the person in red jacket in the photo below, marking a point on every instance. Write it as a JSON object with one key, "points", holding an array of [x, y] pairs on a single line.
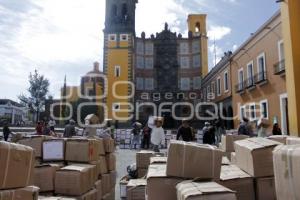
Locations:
{"points": [[39, 128]]}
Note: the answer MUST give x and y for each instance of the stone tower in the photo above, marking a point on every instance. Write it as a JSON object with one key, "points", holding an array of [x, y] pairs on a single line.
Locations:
{"points": [[119, 35]]}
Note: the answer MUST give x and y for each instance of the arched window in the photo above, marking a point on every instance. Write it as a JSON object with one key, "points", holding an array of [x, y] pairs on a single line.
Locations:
{"points": [[114, 11], [197, 27]]}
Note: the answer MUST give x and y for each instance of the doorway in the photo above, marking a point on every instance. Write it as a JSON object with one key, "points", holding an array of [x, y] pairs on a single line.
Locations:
{"points": [[284, 114]]}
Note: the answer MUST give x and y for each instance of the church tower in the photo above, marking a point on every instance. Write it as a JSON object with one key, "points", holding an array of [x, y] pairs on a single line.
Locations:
{"points": [[197, 29], [119, 35]]}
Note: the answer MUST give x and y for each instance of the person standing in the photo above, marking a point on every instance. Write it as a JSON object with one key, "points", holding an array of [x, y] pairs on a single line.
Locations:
{"points": [[70, 129], [261, 128], [136, 131], [52, 125], [276, 130], [185, 132], [245, 128], [208, 134], [146, 137], [39, 128], [157, 134], [6, 131], [46, 129]]}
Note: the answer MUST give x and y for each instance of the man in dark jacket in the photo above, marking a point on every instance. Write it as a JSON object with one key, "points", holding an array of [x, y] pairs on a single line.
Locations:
{"points": [[185, 132], [70, 129], [6, 131]]}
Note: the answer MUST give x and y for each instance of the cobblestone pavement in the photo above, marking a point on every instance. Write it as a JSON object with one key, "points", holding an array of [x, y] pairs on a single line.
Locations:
{"points": [[124, 158]]}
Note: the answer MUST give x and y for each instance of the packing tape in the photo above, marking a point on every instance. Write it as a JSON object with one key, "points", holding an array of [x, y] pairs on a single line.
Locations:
{"points": [[7, 164], [30, 168]]}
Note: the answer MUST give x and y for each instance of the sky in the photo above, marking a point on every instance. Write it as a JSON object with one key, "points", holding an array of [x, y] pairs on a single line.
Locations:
{"points": [[65, 37]]}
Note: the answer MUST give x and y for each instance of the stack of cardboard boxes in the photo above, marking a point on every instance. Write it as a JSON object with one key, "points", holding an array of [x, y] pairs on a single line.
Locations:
{"points": [[255, 157], [143, 162], [186, 161], [77, 168], [16, 174]]}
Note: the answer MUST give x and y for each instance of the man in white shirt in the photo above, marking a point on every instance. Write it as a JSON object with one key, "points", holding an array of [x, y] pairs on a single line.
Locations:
{"points": [[52, 124], [157, 134]]}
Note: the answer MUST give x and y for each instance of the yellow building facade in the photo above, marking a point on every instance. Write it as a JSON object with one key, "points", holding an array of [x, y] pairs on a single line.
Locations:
{"points": [[290, 10]]}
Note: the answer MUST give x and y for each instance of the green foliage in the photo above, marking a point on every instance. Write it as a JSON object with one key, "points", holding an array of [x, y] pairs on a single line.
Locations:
{"points": [[38, 90]]}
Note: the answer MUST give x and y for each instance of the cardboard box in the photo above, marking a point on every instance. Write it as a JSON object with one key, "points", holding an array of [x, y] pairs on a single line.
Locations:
{"points": [[44, 176], [227, 141], [113, 179], [143, 158], [16, 164], [287, 172], [98, 167], [82, 150], [123, 186], [265, 189], [56, 198], [109, 196], [237, 180], [35, 142], [73, 180], [254, 156], [98, 187], [279, 138], [109, 145], [142, 173], [292, 140], [188, 190], [186, 160], [101, 146], [111, 161], [90, 195], [159, 185], [103, 165], [26, 193], [136, 189], [106, 186], [158, 160], [54, 150], [233, 158], [93, 171]]}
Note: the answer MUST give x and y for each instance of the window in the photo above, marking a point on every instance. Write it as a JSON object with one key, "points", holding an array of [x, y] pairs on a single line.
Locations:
{"points": [[117, 71], [281, 50], [213, 87], [184, 48], [208, 90], [139, 83], [252, 110], [149, 63], [140, 48], [226, 84], [185, 84], [112, 37], [114, 10], [219, 86], [261, 67], [196, 46], [197, 82], [149, 84], [140, 62], [242, 112], [149, 49], [264, 110], [184, 62], [250, 74], [116, 106], [241, 79], [196, 61], [124, 37]]}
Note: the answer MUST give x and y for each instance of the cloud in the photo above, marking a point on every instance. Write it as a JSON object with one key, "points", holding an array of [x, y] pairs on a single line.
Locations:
{"points": [[218, 32]]}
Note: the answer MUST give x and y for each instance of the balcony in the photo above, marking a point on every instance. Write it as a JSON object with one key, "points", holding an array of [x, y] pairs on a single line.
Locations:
{"points": [[240, 87], [261, 78], [250, 83], [279, 68]]}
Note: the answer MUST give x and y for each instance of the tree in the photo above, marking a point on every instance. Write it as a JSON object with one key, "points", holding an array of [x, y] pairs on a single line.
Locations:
{"points": [[38, 90]]}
